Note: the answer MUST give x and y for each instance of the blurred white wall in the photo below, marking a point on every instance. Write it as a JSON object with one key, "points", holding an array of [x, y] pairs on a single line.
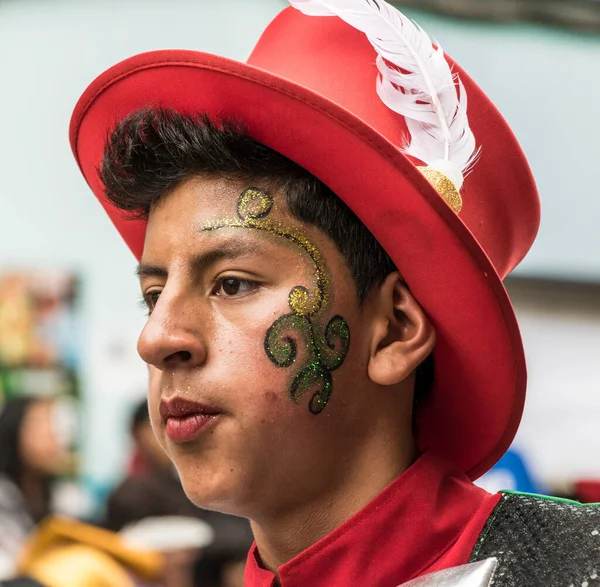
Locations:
{"points": [[560, 430], [51, 49]]}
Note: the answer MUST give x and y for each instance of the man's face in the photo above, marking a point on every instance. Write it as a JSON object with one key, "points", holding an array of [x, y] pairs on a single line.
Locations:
{"points": [[248, 337]]}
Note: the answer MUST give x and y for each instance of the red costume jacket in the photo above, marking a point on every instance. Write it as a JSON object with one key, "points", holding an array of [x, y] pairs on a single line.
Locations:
{"points": [[429, 523], [428, 519]]}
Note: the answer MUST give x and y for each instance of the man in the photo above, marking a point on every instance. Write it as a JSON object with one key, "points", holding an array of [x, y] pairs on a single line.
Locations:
{"points": [[336, 353]]}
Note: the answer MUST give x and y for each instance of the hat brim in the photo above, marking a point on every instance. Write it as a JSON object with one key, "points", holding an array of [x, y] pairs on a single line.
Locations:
{"points": [[479, 387]]}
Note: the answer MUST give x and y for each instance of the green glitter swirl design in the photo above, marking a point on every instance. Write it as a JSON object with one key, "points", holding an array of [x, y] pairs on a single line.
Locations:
{"points": [[326, 348], [326, 352]]}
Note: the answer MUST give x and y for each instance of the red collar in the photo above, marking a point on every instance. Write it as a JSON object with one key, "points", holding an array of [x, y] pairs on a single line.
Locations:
{"points": [[428, 518]]}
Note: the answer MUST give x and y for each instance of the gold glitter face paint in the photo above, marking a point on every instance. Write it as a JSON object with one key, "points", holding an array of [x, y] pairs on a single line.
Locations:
{"points": [[254, 205], [326, 347]]}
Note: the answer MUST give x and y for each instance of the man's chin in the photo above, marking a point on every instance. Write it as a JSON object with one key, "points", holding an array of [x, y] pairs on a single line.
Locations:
{"points": [[216, 497]]}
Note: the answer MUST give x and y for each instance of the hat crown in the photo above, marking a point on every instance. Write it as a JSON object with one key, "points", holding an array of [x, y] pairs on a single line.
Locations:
{"points": [[336, 61]]}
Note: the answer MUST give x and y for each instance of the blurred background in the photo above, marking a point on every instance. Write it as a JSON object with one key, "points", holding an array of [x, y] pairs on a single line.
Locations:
{"points": [[69, 315]]}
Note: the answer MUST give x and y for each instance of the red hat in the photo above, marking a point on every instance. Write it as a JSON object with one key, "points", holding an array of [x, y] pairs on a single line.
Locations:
{"points": [[308, 91]]}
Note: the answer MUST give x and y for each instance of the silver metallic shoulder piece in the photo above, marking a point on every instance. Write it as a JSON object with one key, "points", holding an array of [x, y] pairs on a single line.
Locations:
{"points": [[478, 574]]}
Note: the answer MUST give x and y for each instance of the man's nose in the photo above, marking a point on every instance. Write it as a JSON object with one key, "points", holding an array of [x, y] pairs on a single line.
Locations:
{"points": [[171, 337]]}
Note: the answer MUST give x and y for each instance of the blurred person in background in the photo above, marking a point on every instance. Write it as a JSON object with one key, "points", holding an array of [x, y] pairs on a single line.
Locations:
{"points": [[32, 455], [152, 489]]}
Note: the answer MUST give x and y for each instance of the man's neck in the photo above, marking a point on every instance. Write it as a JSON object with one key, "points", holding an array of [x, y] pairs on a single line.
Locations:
{"points": [[288, 534]]}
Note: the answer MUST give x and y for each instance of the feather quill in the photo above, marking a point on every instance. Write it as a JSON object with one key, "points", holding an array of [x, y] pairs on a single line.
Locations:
{"points": [[414, 80]]}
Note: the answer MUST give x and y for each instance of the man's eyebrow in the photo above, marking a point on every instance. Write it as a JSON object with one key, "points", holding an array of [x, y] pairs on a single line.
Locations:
{"points": [[147, 270], [231, 249]]}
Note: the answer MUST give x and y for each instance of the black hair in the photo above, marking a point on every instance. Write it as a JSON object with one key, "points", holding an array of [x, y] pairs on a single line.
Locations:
{"points": [[12, 416], [153, 150], [11, 421]]}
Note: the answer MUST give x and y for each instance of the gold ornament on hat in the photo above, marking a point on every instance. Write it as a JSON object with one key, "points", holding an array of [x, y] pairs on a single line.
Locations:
{"points": [[414, 80], [443, 186]]}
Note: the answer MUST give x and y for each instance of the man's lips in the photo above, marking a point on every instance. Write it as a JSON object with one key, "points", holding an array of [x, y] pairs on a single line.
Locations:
{"points": [[179, 407], [185, 419]]}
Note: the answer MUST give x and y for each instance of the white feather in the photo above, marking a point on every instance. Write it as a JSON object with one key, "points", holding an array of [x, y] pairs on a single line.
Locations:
{"points": [[414, 80]]}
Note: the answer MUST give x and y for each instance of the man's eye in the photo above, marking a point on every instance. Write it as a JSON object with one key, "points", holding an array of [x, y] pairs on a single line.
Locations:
{"points": [[232, 286], [150, 300]]}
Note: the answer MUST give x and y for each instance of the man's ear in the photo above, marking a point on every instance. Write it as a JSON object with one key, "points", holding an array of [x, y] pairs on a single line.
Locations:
{"points": [[402, 336]]}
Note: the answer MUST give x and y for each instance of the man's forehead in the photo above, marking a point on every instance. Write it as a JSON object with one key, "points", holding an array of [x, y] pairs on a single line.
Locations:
{"points": [[208, 219], [213, 196]]}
